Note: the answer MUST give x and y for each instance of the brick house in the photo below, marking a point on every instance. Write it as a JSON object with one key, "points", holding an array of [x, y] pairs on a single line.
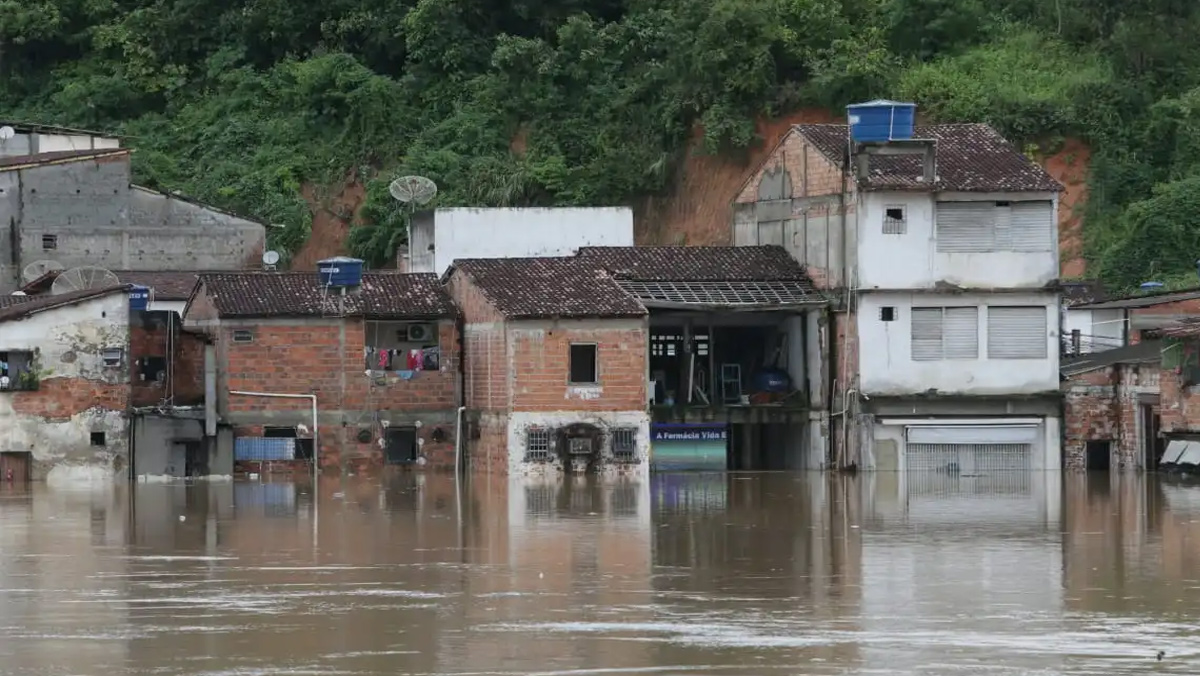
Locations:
{"points": [[1111, 408], [1106, 323], [1179, 385], [64, 385], [382, 361], [555, 365]]}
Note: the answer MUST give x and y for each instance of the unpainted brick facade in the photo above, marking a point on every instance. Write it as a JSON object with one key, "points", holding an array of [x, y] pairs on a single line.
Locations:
{"points": [[517, 377], [795, 199], [326, 357], [158, 339], [1102, 406]]}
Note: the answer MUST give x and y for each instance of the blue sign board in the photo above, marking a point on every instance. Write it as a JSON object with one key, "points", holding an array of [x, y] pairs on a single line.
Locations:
{"points": [[698, 446], [689, 432]]}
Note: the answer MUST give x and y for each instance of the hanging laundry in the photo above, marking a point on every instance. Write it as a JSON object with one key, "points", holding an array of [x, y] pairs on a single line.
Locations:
{"points": [[416, 360], [384, 358]]}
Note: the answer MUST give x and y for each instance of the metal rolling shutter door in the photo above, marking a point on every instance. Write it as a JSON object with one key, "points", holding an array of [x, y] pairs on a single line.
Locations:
{"points": [[1032, 226], [926, 333], [970, 449], [1017, 332], [965, 227]]}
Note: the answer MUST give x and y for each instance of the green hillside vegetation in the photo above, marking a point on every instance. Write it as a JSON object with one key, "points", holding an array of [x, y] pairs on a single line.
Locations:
{"points": [[241, 102]]}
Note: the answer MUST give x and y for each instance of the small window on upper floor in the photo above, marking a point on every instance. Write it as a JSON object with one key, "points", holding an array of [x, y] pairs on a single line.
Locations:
{"points": [[243, 336], [49, 242], [894, 222], [887, 313]]}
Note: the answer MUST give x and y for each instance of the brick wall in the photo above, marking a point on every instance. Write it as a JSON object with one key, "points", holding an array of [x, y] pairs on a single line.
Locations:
{"points": [[1102, 405], [485, 358], [155, 336], [540, 365], [795, 155], [325, 357]]}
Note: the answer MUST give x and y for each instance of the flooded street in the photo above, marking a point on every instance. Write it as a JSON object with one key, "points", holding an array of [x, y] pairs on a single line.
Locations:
{"points": [[681, 574]]}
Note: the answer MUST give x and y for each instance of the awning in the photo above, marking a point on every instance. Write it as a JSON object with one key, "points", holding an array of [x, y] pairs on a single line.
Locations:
{"points": [[975, 434]]}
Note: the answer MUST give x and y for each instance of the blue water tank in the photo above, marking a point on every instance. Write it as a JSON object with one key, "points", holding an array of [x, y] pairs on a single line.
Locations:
{"points": [[877, 121], [772, 380], [139, 298], [340, 272]]}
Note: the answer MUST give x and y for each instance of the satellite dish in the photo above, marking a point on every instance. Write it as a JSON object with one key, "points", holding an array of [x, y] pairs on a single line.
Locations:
{"points": [[7, 132], [413, 190], [38, 269], [17, 293], [83, 278], [270, 258]]}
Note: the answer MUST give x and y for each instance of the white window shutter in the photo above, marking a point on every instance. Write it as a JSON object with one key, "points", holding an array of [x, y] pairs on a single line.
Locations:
{"points": [[926, 333], [961, 333], [1017, 333]]}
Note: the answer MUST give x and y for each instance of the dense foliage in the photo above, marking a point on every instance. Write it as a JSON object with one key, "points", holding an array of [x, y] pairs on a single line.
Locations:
{"points": [[538, 102]]}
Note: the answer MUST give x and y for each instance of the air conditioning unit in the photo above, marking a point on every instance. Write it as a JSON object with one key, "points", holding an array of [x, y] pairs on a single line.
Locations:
{"points": [[418, 333]]}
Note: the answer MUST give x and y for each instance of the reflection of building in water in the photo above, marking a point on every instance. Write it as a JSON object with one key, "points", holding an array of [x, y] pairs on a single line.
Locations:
{"points": [[574, 550], [1131, 542], [60, 567], [964, 547], [725, 541]]}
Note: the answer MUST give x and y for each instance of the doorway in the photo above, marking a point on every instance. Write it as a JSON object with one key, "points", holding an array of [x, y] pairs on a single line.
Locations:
{"points": [[400, 445], [15, 468], [1098, 456], [1153, 445]]}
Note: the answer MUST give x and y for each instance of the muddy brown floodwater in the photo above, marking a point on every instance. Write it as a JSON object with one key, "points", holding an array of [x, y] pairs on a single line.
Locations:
{"points": [[677, 574]]}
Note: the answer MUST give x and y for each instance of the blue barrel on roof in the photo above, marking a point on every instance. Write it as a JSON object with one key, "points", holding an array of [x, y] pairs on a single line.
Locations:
{"points": [[878, 121], [139, 297], [341, 271]]}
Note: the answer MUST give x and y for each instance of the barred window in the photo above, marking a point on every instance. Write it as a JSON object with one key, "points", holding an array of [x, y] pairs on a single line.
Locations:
{"points": [[624, 443], [537, 444]]}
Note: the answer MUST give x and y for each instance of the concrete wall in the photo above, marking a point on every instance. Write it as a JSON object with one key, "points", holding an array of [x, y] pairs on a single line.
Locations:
{"points": [[793, 200], [159, 444], [77, 395], [32, 143], [912, 260], [1099, 330], [97, 219], [501, 233], [886, 361]]}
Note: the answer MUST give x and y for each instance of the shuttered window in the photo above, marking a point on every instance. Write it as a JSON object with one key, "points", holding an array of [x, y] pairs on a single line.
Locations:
{"points": [[981, 227], [945, 333], [1017, 333]]}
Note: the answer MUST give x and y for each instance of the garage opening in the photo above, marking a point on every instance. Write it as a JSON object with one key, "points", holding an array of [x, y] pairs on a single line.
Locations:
{"points": [[971, 450]]}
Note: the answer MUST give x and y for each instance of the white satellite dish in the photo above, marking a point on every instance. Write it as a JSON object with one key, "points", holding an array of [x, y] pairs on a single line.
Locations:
{"points": [[38, 269], [83, 278], [270, 258], [18, 293], [7, 132], [413, 190]]}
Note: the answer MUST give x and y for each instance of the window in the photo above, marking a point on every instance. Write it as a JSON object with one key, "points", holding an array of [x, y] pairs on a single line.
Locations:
{"points": [[49, 242], [243, 336], [1017, 332], [537, 444], [945, 333], [982, 227], [113, 357], [894, 222], [624, 443], [153, 369], [98, 439], [583, 364], [887, 314], [17, 370]]}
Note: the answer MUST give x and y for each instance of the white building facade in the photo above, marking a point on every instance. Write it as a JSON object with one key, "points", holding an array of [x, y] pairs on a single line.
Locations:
{"points": [[939, 246], [957, 318]]}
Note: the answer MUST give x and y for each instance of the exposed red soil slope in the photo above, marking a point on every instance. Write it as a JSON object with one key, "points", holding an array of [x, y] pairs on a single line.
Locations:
{"points": [[1070, 166], [697, 211], [335, 210]]}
